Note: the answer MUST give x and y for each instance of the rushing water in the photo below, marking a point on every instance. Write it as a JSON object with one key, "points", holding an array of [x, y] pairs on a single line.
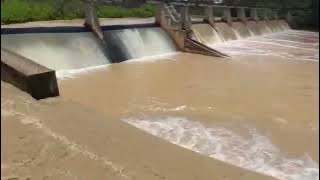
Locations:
{"points": [[257, 110], [206, 34], [241, 29], [254, 152], [57, 50], [136, 43]]}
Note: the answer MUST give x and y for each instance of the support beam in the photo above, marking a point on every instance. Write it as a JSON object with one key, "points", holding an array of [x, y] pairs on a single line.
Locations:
{"points": [[227, 15], [91, 19], [209, 17], [185, 18], [35, 79], [275, 15], [289, 17], [265, 14], [159, 13], [241, 14], [254, 14]]}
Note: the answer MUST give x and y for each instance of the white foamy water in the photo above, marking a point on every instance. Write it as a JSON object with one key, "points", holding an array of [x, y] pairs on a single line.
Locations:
{"points": [[206, 34], [138, 42], [290, 45], [57, 50], [238, 35], [254, 152], [74, 73]]}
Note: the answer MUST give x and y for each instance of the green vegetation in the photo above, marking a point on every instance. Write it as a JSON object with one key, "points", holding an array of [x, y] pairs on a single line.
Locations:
{"points": [[119, 12], [19, 11]]}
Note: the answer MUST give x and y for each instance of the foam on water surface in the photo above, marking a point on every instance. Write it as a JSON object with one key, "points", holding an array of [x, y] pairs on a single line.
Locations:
{"points": [[289, 45], [74, 73], [254, 152]]}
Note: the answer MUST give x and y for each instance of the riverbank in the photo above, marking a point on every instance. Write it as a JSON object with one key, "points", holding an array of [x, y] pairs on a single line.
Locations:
{"points": [[20, 11]]}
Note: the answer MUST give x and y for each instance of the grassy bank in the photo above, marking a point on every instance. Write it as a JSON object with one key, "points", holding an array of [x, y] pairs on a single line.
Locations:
{"points": [[19, 11]]}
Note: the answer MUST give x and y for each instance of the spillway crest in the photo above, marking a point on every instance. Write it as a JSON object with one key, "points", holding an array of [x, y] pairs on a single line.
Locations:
{"points": [[57, 50], [206, 34], [136, 43]]}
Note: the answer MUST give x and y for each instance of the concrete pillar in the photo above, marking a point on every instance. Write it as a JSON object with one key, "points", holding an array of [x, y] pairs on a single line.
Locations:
{"points": [[227, 15], [275, 15], [35, 79], [241, 14], [159, 13], [185, 18], [265, 14], [209, 17], [91, 19], [254, 14], [289, 17], [290, 20]]}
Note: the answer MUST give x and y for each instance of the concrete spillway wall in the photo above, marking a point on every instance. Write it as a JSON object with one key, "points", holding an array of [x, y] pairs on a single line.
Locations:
{"points": [[222, 32], [61, 48], [35, 79], [231, 26]]}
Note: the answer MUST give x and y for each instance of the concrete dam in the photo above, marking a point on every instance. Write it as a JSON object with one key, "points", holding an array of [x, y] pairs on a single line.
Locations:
{"points": [[57, 50], [55, 47], [231, 93], [173, 29]]}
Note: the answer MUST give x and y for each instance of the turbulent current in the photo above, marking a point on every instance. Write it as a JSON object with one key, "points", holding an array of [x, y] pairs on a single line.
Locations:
{"points": [[172, 115], [254, 152]]}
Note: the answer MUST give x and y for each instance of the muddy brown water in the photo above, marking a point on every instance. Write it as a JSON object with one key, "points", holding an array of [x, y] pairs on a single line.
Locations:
{"points": [[177, 116], [266, 93]]}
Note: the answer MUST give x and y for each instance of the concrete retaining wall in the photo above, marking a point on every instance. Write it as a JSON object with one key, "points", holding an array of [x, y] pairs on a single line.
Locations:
{"points": [[37, 80]]}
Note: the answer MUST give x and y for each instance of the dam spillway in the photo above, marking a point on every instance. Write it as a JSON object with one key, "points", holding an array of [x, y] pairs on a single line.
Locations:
{"points": [[78, 50], [223, 32], [125, 44], [206, 34], [57, 51]]}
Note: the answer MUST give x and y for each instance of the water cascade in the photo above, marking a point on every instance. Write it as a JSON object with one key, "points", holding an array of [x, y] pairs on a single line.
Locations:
{"points": [[264, 28], [225, 31], [206, 34], [57, 51], [275, 26], [253, 27], [241, 29], [136, 43]]}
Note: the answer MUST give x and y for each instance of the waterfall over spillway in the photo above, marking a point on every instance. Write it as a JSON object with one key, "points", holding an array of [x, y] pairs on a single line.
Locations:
{"points": [[275, 26], [57, 51], [206, 34], [264, 27], [241, 30], [137, 42], [226, 31], [253, 27]]}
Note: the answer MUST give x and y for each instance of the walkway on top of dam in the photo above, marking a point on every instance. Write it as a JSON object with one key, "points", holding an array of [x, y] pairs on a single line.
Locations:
{"points": [[103, 22], [79, 22]]}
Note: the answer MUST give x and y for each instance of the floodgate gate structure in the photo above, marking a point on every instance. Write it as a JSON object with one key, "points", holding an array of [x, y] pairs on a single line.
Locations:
{"points": [[26, 60]]}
